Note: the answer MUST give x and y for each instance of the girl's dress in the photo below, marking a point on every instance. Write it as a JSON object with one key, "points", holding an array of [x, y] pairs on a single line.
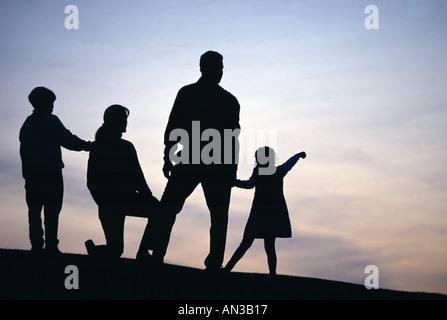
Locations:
{"points": [[269, 216]]}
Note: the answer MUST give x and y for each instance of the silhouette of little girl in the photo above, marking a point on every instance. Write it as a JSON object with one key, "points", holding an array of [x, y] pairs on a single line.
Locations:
{"points": [[269, 216]]}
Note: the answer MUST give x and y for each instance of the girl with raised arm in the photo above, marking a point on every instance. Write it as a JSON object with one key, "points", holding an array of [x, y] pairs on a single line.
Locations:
{"points": [[269, 216]]}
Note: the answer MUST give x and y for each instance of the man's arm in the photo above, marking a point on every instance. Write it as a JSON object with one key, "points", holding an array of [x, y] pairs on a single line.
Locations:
{"points": [[175, 121]]}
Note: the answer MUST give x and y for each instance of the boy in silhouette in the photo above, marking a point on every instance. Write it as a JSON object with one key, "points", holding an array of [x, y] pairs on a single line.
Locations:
{"points": [[269, 216], [116, 182], [214, 108], [41, 137]]}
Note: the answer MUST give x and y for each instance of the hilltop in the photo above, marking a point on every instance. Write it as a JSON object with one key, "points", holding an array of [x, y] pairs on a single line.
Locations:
{"points": [[23, 277]]}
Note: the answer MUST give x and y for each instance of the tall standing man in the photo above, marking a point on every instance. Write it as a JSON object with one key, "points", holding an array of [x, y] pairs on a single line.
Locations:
{"points": [[199, 107]]}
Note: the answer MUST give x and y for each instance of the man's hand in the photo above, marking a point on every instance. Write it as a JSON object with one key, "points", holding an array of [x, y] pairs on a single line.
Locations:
{"points": [[302, 155], [167, 168]]}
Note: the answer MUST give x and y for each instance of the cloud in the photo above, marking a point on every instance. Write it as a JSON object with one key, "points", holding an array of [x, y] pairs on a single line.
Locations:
{"points": [[317, 255]]}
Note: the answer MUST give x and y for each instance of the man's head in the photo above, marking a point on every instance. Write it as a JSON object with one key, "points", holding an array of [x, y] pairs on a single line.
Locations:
{"points": [[42, 99], [211, 66]]}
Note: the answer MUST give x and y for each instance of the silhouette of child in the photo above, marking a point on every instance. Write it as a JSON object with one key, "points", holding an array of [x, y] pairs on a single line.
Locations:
{"points": [[41, 137], [269, 216]]}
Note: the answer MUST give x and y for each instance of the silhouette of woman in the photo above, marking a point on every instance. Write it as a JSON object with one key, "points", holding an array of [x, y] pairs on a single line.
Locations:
{"points": [[116, 182], [269, 216]]}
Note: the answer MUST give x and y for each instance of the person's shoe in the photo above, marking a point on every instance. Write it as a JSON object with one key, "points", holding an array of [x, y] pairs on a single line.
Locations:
{"points": [[53, 252], [214, 269], [37, 252], [90, 246], [272, 280], [226, 270], [144, 256]]}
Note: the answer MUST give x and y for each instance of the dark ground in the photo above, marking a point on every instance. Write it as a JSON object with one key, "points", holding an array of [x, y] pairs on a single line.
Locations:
{"points": [[22, 277]]}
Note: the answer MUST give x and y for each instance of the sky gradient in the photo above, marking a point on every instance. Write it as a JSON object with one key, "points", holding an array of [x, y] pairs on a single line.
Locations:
{"points": [[367, 106]]}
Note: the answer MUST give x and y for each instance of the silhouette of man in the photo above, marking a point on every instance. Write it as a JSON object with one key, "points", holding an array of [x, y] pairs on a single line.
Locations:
{"points": [[116, 182], [205, 104], [41, 137]]}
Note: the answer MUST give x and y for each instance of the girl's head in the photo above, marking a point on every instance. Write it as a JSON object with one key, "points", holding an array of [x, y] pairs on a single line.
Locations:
{"points": [[265, 157]]}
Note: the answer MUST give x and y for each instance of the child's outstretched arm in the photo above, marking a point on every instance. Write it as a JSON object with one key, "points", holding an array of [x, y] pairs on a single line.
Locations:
{"points": [[246, 184], [69, 140], [288, 165]]}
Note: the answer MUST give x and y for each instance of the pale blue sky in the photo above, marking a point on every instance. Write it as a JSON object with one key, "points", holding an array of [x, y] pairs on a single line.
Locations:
{"points": [[368, 106]]}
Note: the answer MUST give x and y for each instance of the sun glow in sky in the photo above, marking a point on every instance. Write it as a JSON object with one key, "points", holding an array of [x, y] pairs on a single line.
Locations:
{"points": [[369, 107]]}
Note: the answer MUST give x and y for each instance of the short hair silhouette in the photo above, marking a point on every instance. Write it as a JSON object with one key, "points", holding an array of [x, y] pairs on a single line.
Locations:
{"points": [[210, 60], [41, 97], [116, 115]]}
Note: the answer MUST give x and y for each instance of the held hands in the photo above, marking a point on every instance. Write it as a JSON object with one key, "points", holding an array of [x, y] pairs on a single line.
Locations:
{"points": [[167, 168], [88, 146]]}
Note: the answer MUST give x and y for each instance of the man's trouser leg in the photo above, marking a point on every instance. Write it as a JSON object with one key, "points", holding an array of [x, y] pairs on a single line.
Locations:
{"points": [[218, 201], [181, 184]]}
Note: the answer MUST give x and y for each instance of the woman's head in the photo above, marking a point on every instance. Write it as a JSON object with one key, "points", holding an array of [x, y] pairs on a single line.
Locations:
{"points": [[116, 116]]}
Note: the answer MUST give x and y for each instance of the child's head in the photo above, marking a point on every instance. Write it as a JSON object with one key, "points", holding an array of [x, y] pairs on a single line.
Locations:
{"points": [[116, 116], [42, 99], [265, 156], [265, 160]]}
